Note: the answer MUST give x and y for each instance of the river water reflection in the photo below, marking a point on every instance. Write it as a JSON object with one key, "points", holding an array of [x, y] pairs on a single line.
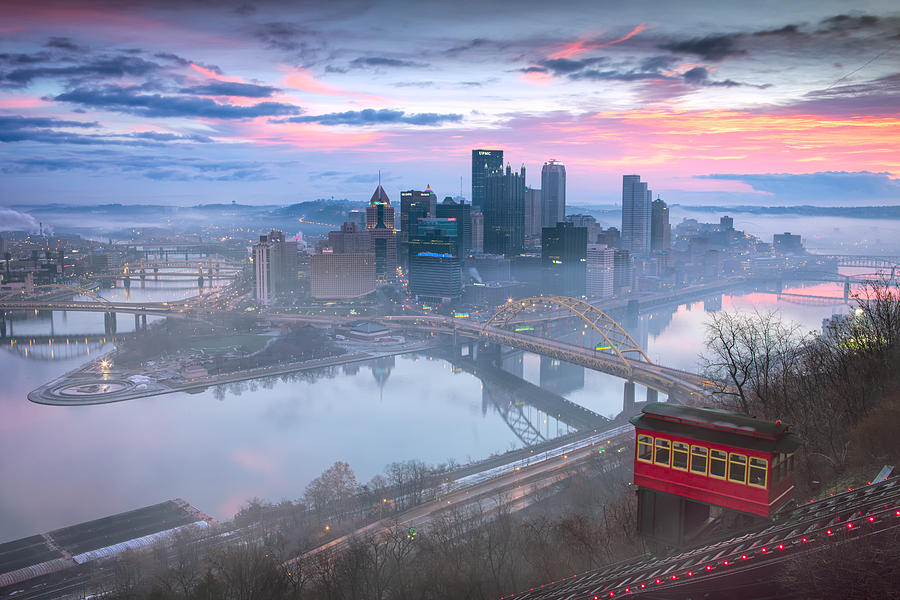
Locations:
{"points": [[268, 439]]}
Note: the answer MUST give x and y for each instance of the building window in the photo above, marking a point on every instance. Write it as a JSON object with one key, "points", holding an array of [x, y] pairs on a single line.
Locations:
{"points": [[737, 468], [645, 448], [758, 470], [717, 463], [662, 452], [699, 455], [680, 456]]}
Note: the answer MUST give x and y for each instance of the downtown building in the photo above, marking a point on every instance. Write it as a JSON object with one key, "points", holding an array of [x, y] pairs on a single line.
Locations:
{"points": [[553, 193], [462, 212], [346, 276], [660, 230], [350, 239], [563, 259], [380, 225], [414, 205], [484, 162], [599, 271], [635, 215], [435, 261], [533, 219], [504, 212], [275, 264]]}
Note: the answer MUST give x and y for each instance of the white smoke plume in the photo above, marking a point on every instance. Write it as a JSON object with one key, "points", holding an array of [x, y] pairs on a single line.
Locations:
{"points": [[13, 220]]}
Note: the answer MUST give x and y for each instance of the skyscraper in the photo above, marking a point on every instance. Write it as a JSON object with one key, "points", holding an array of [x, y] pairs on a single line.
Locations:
{"points": [[635, 215], [484, 162], [660, 231], [563, 258], [435, 265], [553, 193], [533, 219], [504, 212], [599, 271], [380, 224], [414, 205], [380, 209], [274, 266], [450, 209]]}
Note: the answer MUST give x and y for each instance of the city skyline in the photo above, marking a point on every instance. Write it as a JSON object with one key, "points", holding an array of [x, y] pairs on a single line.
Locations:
{"points": [[155, 103]]}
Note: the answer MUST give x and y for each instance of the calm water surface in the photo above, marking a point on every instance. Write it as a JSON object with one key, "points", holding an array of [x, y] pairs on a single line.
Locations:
{"points": [[219, 448]]}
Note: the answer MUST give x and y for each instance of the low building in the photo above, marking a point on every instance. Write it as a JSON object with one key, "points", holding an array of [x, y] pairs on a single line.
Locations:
{"points": [[341, 276]]}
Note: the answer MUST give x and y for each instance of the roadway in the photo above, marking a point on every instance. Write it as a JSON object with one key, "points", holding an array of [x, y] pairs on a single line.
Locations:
{"points": [[667, 380], [511, 486]]}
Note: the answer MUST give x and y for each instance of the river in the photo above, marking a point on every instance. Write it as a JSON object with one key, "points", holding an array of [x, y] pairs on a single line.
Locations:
{"points": [[221, 447]]}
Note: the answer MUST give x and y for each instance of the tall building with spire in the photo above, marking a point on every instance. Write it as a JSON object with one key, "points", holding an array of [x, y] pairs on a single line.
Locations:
{"points": [[553, 193], [484, 162], [635, 215], [380, 224], [504, 212]]}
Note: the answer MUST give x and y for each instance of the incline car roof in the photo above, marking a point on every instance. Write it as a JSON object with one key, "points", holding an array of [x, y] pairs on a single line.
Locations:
{"points": [[717, 425]]}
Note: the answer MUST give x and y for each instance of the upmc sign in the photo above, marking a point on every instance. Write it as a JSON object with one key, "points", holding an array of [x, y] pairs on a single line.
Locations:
{"points": [[484, 152]]}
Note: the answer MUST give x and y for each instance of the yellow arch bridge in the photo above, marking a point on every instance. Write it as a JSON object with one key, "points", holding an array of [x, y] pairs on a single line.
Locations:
{"points": [[617, 355]]}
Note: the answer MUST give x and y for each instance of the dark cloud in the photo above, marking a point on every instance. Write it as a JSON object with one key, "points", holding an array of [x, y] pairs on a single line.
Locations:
{"points": [[10, 122], [614, 75], [14, 128], [284, 35], [159, 167], [564, 66], [65, 43], [382, 61], [126, 100], [849, 23], [169, 137], [104, 67], [19, 59], [655, 64], [371, 116], [245, 10], [228, 88], [712, 47], [786, 30], [183, 62], [877, 97], [700, 76], [826, 187]]}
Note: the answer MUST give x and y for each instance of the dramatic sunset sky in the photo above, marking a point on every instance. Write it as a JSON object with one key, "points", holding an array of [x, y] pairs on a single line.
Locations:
{"points": [[765, 102]]}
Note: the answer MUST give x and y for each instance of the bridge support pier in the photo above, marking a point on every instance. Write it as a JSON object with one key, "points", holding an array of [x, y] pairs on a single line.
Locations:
{"points": [[846, 289], [652, 395], [143, 321], [628, 401], [109, 323], [2, 324], [137, 323]]}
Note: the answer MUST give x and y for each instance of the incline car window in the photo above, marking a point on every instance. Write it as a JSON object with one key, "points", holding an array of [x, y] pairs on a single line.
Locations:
{"points": [[662, 452]]}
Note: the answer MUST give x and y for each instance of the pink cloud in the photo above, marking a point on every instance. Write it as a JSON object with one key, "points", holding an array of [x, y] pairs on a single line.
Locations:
{"points": [[574, 48], [300, 79]]}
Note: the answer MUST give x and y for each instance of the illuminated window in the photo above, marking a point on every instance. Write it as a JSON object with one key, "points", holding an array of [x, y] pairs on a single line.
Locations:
{"points": [[699, 454], [737, 468], [662, 452], [680, 456], [717, 463], [758, 468], [645, 448]]}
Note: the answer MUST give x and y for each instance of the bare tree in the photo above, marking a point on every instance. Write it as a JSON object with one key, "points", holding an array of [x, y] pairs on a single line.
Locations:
{"points": [[749, 358]]}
